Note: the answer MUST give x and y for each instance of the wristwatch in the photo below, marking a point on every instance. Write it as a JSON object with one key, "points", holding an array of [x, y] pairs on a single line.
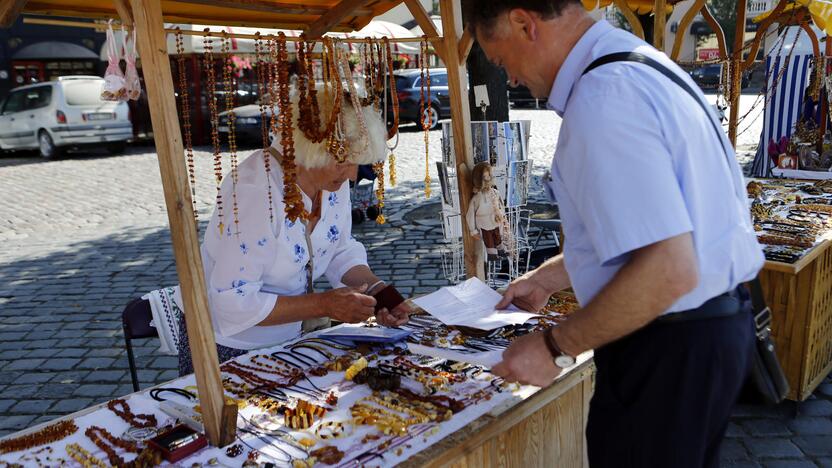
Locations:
{"points": [[560, 358]]}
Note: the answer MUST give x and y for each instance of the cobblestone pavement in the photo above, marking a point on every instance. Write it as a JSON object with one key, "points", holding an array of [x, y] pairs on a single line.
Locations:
{"points": [[83, 235]]}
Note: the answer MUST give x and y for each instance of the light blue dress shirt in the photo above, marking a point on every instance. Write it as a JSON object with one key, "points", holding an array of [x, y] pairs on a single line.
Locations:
{"points": [[637, 163]]}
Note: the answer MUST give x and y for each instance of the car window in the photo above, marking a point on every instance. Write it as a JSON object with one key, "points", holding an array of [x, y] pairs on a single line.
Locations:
{"points": [[38, 97], [15, 102], [403, 82], [440, 79], [83, 93]]}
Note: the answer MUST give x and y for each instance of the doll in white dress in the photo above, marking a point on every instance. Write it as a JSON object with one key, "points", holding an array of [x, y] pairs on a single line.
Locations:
{"points": [[486, 215]]}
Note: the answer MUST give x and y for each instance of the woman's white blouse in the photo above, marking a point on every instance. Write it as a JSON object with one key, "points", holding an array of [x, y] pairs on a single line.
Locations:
{"points": [[254, 261]]}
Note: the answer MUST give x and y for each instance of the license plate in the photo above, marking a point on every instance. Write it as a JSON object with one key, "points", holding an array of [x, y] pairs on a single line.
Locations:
{"points": [[222, 128], [100, 116]]}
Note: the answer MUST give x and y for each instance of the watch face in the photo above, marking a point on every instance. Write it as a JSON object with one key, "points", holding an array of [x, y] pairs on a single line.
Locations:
{"points": [[564, 361]]}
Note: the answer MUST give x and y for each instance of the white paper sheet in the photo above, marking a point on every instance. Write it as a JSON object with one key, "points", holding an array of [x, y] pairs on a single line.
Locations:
{"points": [[471, 304]]}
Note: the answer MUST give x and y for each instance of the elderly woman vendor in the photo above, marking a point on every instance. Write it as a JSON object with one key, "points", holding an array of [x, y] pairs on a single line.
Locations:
{"points": [[259, 268]]}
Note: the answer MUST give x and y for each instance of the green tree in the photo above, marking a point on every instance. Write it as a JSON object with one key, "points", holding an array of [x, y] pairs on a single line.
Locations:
{"points": [[725, 12]]}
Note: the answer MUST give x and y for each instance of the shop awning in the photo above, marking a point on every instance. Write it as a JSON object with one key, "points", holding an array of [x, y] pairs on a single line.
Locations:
{"points": [[53, 50], [641, 7], [820, 10]]}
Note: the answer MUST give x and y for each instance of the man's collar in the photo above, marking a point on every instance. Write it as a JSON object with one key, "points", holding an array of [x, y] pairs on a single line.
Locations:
{"points": [[571, 69]]}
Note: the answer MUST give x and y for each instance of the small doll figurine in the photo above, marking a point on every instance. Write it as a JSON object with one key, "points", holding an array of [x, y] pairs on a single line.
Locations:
{"points": [[486, 215]]}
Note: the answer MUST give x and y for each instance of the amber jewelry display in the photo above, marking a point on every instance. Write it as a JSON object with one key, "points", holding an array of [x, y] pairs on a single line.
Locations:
{"points": [[292, 197], [185, 112], [364, 137], [208, 62], [229, 87], [356, 367], [234, 451], [378, 169], [106, 441], [303, 415], [270, 365], [262, 74], [245, 375], [309, 114], [122, 410], [424, 105], [47, 435], [83, 457]]}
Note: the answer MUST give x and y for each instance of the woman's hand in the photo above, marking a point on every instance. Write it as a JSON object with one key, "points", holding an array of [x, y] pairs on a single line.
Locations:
{"points": [[399, 315], [348, 305]]}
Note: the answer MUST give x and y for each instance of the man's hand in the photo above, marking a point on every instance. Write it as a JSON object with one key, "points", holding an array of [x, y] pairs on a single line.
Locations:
{"points": [[528, 361], [399, 315], [526, 293], [348, 304]]}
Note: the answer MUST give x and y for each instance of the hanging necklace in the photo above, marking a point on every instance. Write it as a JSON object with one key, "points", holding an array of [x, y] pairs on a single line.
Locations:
{"points": [[215, 121]]}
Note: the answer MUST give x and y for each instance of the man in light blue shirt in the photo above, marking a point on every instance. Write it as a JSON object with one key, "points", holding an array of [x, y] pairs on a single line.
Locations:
{"points": [[657, 237]]}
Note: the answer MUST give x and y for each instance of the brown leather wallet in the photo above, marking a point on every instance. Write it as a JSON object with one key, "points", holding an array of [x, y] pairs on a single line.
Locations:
{"points": [[388, 298]]}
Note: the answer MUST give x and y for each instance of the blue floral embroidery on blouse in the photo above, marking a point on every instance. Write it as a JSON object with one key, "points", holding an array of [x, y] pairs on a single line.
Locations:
{"points": [[242, 268], [228, 231], [262, 242], [300, 253], [240, 292], [289, 223], [244, 248], [333, 234], [333, 199], [238, 283]]}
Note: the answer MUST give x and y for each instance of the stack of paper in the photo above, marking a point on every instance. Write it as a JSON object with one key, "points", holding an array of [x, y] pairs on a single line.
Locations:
{"points": [[471, 304]]}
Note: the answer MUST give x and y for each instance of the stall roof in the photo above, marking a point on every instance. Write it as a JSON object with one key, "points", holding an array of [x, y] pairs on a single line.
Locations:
{"points": [[310, 15]]}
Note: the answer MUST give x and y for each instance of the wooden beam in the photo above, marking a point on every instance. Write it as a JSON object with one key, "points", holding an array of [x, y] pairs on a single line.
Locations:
{"points": [[717, 28], [635, 24], [428, 28], [152, 42], [422, 18], [268, 6], [124, 12], [659, 23], [761, 31], [465, 44], [683, 27], [9, 11], [736, 72], [332, 17], [461, 121]]}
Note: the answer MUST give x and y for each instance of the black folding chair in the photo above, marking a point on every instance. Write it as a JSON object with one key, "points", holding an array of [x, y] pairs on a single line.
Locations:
{"points": [[135, 320]]}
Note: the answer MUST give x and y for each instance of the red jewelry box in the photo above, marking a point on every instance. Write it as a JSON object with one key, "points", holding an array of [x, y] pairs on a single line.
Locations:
{"points": [[178, 443]]}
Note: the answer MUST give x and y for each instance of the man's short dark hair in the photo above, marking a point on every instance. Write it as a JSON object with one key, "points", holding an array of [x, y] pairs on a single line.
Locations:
{"points": [[481, 15]]}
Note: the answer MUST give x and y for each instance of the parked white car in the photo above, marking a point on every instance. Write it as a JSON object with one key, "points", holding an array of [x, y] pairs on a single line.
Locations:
{"points": [[62, 114]]}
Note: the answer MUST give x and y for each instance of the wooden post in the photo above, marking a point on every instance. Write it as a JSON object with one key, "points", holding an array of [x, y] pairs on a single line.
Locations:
{"points": [[150, 35], [659, 22], [461, 121], [736, 72]]}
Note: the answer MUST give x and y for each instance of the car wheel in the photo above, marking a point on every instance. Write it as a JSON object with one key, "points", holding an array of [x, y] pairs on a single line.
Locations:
{"points": [[116, 148], [433, 113], [47, 147]]}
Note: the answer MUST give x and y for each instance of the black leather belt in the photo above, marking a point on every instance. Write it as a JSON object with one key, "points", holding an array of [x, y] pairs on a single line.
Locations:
{"points": [[725, 305]]}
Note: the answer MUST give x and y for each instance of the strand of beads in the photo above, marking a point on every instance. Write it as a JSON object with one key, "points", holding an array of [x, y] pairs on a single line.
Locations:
{"points": [[230, 91], [185, 110], [215, 122], [264, 127]]}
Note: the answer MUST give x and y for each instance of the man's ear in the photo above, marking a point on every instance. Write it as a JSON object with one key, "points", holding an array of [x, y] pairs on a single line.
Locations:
{"points": [[523, 23]]}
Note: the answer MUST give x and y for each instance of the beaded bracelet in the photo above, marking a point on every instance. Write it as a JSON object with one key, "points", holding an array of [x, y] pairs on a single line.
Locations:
{"points": [[330, 430]]}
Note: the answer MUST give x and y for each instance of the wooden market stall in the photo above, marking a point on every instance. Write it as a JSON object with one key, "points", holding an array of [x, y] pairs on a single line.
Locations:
{"points": [[545, 425]]}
